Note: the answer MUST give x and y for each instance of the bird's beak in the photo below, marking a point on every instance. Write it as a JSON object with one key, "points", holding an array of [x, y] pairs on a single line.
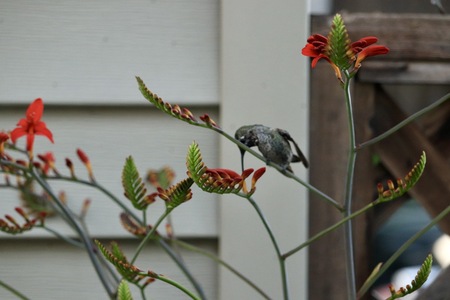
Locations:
{"points": [[242, 158]]}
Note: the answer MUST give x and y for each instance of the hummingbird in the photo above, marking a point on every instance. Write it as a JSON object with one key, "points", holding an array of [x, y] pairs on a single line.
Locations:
{"points": [[273, 143]]}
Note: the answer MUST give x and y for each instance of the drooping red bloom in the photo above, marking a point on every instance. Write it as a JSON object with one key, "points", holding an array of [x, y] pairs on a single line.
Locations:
{"points": [[369, 51], [32, 125], [3, 138], [49, 161], [339, 51], [317, 48]]}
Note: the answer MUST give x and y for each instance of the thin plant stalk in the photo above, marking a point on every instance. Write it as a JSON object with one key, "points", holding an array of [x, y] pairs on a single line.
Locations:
{"points": [[13, 291], [149, 235], [348, 230], [281, 261], [402, 249], [174, 284], [83, 236], [226, 265], [405, 122]]}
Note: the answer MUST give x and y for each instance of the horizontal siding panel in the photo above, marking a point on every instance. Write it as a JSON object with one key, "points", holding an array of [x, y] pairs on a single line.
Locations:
{"points": [[77, 52], [108, 136], [55, 270]]}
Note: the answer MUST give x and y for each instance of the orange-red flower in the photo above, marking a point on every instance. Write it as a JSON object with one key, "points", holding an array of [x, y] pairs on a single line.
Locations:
{"points": [[32, 125], [3, 138], [339, 51], [49, 161]]}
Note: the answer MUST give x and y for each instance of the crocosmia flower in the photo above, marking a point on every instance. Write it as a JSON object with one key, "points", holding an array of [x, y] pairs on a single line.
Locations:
{"points": [[339, 51], [32, 125]]}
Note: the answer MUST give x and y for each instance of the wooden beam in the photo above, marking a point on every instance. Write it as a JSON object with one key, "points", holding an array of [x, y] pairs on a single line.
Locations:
{"points": [[405, 72]]}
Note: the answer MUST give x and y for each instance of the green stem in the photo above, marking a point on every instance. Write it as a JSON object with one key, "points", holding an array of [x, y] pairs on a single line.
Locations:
{"points": [[402, 249], [224, 264], [281, 261], [149, 235], [71, 219], [330, 229], [405, 122], [348, 231], [178, 261], [174, 284], [13, 291]]}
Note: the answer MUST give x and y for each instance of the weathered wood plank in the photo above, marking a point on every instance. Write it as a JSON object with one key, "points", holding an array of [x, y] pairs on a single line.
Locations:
{"points": [[405, 72], [408, 36]]}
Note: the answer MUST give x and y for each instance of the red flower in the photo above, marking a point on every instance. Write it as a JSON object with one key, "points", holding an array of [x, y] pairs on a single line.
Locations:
{"points": [[49, 161], [317, 48], [32, 125], [369, 51], [3, 138]]}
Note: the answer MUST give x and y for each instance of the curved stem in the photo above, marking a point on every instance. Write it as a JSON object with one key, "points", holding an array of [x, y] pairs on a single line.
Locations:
{"points": [[281, 261], [402, 249], [175, 284], [348, 231], [71, 219], [223, 263], [405, 122], [13, 291], [329, 229], [149, 235], [179, 262]]}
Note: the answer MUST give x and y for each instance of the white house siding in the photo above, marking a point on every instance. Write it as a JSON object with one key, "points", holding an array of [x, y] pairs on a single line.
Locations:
{"points": [[81, 58]]}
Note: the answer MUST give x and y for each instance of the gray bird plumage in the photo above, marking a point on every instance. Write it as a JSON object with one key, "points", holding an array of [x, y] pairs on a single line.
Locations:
{"points": [[273, 143]]}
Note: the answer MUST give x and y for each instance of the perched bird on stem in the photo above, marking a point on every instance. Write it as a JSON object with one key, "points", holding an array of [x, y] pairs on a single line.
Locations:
{"points": [[273, 143]]}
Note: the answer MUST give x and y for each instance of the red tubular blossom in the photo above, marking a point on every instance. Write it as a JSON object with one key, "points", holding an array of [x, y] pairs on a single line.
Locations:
{"points": [[82, 156], [87, 163], [49, 161], [3, 138], [370, 51], [32, 125]]}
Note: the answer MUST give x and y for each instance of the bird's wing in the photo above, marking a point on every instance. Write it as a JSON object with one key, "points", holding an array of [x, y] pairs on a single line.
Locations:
{"points": [[296, 158]]}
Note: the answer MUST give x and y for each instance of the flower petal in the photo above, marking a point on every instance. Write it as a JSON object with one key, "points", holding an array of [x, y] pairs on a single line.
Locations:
{"points": [[35, 110]]}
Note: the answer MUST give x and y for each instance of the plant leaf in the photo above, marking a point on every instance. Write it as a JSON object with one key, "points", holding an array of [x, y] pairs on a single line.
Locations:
{"points": [[404, 185], [123, 291], [118, 259], [194, 163], [175, 111], [133, 185], [177, 194], [416, 283]]}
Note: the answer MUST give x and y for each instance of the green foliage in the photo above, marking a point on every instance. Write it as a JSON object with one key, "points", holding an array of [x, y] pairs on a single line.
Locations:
{"points": [[405, 185], [123, 291], [118, 259], [129, 272], [133, 185], [194, 163], [11, 226], [174, 111], [177, 194], [421, 278], [339, 44]]}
